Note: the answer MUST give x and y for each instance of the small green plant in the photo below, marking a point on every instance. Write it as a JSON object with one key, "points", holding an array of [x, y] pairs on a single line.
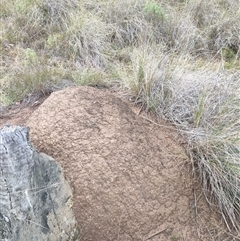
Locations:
{"points": [[30, 57], [5, 8], [228, 54], [53, 40], [90, 76], [175, 238], [23, 6], [154, 10], [232, 64], [4, 99]]}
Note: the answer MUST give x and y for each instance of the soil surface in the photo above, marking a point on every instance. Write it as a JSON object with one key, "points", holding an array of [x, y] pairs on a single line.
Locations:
{"points": [[131, 178]]}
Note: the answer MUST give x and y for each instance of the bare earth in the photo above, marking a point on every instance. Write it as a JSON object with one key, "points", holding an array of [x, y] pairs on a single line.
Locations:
{"points": [[131, 178]]}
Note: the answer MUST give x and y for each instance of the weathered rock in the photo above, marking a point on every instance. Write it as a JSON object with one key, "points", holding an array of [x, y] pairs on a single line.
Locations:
{"points": [[129, 177], [35, 199]]}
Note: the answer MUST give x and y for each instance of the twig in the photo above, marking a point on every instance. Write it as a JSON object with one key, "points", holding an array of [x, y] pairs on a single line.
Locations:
{"points": [[140, 110], [155, 234], [168, 127], [196, 212], [155, 123]]}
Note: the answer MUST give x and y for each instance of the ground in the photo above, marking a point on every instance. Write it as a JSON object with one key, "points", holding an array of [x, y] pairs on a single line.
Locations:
{"points": [[131, 177]]}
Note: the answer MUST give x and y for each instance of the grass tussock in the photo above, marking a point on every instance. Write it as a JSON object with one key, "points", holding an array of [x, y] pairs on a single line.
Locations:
{"points": [[180, 59]]}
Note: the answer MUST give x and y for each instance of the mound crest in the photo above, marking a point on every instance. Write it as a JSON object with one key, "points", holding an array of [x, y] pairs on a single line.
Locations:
{"points": [[129, 176]]}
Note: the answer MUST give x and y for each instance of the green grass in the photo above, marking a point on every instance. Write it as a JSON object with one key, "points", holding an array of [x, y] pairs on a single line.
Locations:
{"points": [[179, 59]]}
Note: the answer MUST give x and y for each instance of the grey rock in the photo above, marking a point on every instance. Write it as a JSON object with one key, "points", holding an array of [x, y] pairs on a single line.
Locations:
{"points": [[35, 199]]}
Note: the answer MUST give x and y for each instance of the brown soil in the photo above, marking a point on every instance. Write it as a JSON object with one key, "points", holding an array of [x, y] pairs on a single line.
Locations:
{"points": [[131, 178]]}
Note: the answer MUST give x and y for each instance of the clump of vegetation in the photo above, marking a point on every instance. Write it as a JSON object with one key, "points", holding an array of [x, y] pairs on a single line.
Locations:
{"points": [[154, 10], [179, 59]]}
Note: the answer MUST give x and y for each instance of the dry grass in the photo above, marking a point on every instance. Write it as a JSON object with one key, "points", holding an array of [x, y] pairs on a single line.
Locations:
{"points": [[180, 59]]}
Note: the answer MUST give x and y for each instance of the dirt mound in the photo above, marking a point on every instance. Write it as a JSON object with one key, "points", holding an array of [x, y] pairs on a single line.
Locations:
{"points": [[131, 179]]}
